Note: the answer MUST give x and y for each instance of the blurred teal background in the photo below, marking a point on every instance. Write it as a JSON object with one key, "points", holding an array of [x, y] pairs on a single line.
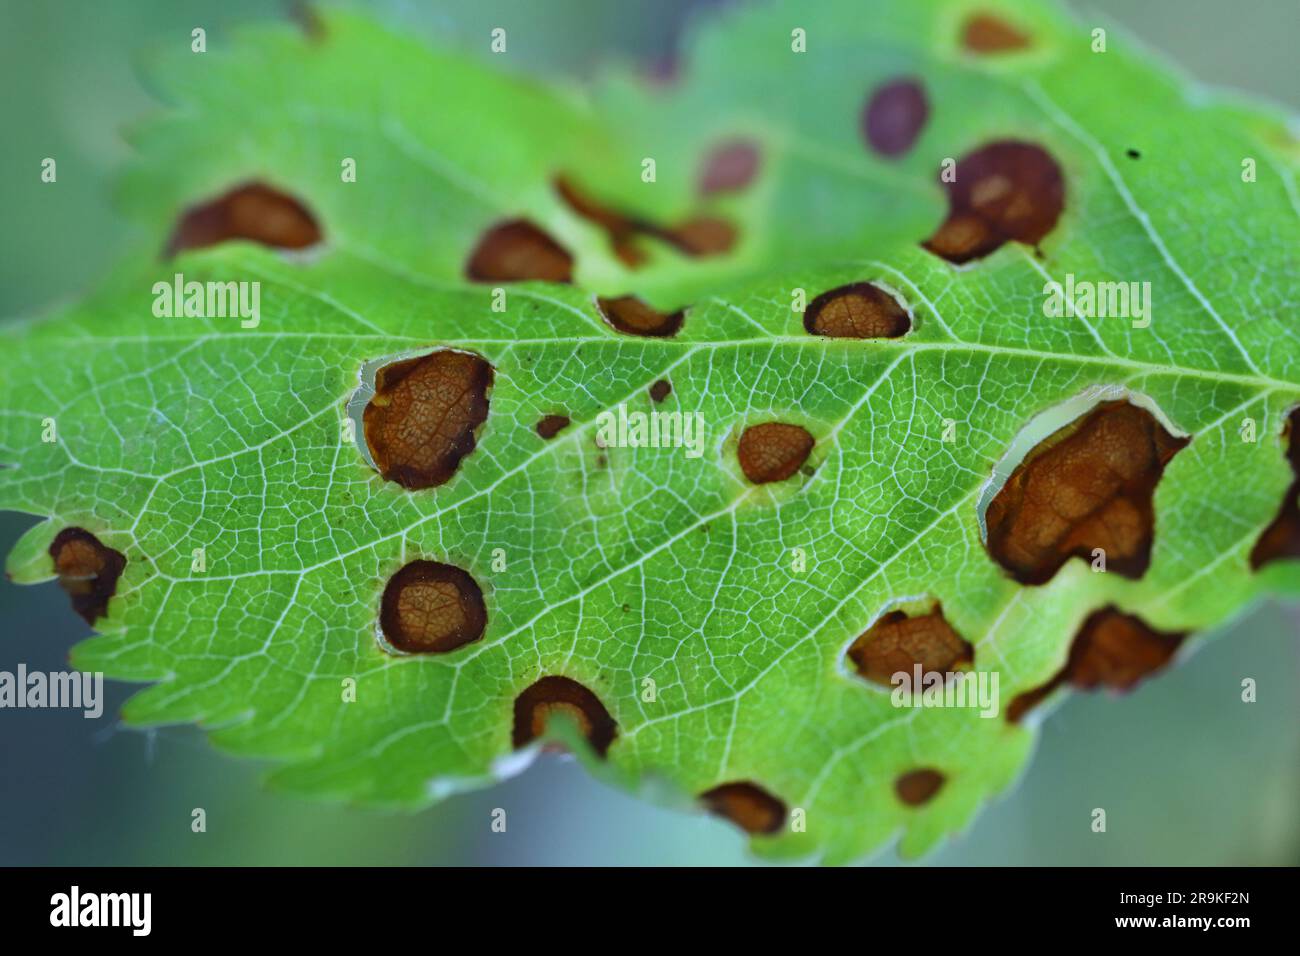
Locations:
{"points": [[1188, 773]]}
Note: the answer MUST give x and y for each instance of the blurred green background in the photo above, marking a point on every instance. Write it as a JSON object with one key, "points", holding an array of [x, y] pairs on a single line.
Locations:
{"points": [[1187, 772]]}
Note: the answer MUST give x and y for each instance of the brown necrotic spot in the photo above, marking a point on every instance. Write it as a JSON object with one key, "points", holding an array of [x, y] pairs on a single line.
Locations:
{"points": [[773, 451], [747, 805], [254, 212], [1281, 539], [985, 33], [701, 236], [88, 571], [620, 229], [518, 251], [556, 694], [660, 390], [551, 425], [1089, 485], [897, 642], [630, 315], [422, 419], [1006, 191], [857, 311], [1112, 649], [894, 116], [729, 167], [432, 608], [918, 786]]}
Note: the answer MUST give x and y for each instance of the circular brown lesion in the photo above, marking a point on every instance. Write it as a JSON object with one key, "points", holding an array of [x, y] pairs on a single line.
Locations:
{"points": [[860, 310], [894, 116], [1007, 191], [432, 608], [918, 787], [517, 251], [254, 212], [700, 236], [557, 694], [424, 416], [898, 643], [551, 425], [729, 167], [747, 805], [986, 33], [773, 451], [631, 316]]}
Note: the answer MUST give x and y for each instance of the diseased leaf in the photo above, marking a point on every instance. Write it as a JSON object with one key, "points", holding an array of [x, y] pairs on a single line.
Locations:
{"points": [[399, 474]]}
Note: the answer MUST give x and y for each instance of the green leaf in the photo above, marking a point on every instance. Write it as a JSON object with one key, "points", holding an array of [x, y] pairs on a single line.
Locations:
{"points": [[621, 564]]}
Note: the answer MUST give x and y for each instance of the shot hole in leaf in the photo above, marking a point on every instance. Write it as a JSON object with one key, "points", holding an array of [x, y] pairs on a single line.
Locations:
{"points": [[898, 642], [1089, 485], [1111, 649]]}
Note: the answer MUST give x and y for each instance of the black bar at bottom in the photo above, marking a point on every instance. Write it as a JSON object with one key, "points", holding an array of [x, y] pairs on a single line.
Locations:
{"points": [[337, 905]]}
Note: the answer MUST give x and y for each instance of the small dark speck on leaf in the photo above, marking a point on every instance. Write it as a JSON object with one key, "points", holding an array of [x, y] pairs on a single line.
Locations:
{"points": [[918, 786], [551, 425]]}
